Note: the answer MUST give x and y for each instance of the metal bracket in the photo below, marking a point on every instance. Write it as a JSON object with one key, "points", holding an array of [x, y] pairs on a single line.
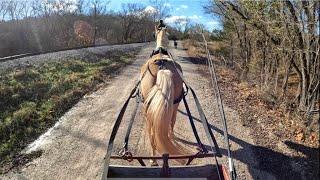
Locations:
{"points": [[165, 171]]}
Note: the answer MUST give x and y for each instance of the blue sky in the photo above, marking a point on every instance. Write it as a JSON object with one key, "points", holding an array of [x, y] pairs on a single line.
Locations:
{"points": [[191, 9]]}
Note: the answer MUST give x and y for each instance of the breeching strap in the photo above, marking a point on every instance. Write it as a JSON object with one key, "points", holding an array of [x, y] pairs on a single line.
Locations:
{"points": [[115, 128], [213, 143], [196, 135], [133, 115]]}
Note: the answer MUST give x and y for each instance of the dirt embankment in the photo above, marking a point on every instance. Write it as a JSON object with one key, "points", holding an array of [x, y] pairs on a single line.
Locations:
{"points": [[92, 53], [279, 146]]}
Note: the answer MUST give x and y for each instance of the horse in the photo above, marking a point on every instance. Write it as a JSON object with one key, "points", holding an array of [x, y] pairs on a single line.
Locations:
{"points": [[162, 90]]}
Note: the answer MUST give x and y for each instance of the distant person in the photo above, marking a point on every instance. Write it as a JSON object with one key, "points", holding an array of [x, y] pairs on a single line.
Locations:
{"points": [[161, 24], [175, 43]]}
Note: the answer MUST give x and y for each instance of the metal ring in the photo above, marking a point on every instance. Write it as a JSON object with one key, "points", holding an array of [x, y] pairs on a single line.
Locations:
{"points": [[122, 152], [128, 156]]}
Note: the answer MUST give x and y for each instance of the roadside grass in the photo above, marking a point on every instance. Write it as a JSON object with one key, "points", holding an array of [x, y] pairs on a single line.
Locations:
{"points": [[33, 98]]}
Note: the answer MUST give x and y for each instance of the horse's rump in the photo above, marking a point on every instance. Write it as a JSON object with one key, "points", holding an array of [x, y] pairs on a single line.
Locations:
{"points": [[160, 87]]}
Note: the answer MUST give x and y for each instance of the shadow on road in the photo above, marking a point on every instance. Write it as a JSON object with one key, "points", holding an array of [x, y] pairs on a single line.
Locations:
{"points": [[277, 164]]}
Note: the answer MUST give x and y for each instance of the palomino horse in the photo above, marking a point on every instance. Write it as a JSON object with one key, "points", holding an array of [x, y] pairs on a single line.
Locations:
{"points": [[162, 90]]}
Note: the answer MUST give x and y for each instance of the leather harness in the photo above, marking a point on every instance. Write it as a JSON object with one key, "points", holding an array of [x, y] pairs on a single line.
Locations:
{"points": [[162, 65], [159, 50]]}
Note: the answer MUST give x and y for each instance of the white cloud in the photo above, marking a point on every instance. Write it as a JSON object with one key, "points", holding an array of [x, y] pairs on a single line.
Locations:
{"points": [[183, 19], [177, 9], [173, 19], [213, 23], [150, 10], [184, 6]]}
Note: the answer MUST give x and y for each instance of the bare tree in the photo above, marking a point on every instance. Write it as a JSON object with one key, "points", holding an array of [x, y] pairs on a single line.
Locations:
{"points": [[81, 6], [3, 9], [36, 26], [162, 11], [130, 15], [98, 8], [282, 35], [12, 9]]}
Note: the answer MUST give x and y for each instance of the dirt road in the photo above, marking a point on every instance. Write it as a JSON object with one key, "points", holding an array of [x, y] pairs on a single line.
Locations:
{"points": [[75, 147]]}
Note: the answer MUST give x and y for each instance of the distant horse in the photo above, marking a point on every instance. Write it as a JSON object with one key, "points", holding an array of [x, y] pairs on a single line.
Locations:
{"points": [[162, 90]]}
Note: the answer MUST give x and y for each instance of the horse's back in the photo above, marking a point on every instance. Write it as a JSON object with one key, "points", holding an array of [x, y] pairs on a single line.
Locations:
{"points": [[150, 69]]}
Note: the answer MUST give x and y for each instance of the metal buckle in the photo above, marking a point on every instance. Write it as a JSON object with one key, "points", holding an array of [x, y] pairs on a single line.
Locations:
{"points": [[125, 154], [128, 156]]}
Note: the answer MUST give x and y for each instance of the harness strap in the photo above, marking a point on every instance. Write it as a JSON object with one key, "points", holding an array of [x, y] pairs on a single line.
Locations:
{"points": [[160, 50], [133, 115], [213, 143], [161, 63], [182, 95], [196, 135], [115, 128]]}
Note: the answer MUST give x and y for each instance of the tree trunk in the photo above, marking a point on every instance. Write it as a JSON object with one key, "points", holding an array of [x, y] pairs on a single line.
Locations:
{"points": [[247, 45], [232, 52], [286, 77]]}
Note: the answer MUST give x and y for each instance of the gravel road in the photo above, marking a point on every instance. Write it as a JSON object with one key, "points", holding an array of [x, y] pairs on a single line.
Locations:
{"points": [[75, 147], [84, 53]]}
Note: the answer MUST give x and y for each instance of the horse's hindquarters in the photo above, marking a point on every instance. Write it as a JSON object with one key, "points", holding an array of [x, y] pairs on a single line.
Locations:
{"points": [[160, 88]]}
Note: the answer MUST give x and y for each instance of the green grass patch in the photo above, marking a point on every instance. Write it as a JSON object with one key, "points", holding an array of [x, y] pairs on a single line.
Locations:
{"points": [[32, 99]]}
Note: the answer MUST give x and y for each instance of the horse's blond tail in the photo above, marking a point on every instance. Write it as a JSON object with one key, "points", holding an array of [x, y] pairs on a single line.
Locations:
{"points": [[159, 112]]}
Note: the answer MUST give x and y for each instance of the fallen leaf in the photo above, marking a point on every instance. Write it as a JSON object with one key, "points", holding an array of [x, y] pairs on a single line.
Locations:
{"points": [[299, 137], [313, 137]]}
